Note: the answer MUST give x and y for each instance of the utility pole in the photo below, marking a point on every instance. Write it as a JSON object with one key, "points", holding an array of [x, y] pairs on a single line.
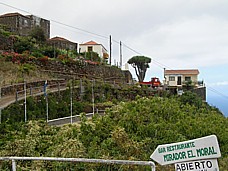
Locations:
{"points": [[164, 74], [121, 55], [110, 46]]}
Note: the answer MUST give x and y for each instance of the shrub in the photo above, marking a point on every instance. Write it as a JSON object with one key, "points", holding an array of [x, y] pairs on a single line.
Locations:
{"points": [[37, 54], [43, 59], [23, 44]]}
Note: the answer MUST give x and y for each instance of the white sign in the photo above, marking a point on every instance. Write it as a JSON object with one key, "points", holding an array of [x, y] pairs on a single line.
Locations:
{"points": [[197, 149], [201, 165]]}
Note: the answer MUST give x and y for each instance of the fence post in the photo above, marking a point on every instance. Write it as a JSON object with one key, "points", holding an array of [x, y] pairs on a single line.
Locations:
{"points": [[152, 166], [25, 102], [59, 88], [16, 95], [0, 108], [14, 166], [71, 102], [0, 115], [30, 91]]}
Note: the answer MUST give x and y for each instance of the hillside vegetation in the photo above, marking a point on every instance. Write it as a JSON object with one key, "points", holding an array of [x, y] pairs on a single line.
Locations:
{"points": [[11, 73], [27, 58], [129, 130]]}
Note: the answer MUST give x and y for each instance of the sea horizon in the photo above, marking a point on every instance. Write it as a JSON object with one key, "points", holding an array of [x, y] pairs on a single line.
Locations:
{"points": [[218, 102]]}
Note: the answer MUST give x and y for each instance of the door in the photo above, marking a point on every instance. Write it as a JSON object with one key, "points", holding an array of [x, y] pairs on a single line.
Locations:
{"points": [[179, 80]]}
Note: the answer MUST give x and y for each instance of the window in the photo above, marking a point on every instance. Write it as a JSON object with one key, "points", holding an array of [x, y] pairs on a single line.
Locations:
{"points": [[90, 48], [25, 22], [187, 78], [171, 78]]}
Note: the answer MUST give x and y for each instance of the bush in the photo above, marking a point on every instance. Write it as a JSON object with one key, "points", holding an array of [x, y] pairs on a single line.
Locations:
{"points": [[191, 98], [26, 68], [43, 60], [37, 54], [23, 44], [38, 34], [49, 51]]}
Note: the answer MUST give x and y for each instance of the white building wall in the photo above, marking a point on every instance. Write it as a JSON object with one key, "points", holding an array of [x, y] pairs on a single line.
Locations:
{"points": [[171, 83], [96, 48], [194, 79]]}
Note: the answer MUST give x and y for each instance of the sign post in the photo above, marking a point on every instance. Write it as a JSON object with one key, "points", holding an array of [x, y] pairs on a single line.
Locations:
{"points": [[192, 150]]}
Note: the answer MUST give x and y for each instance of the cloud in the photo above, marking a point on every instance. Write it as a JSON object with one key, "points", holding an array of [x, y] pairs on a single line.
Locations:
{"points": [[223, 83], [199, 41]]}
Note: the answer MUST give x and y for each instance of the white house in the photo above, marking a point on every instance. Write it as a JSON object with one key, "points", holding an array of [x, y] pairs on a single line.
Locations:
{"points": [[92, 46], [178, 78]]}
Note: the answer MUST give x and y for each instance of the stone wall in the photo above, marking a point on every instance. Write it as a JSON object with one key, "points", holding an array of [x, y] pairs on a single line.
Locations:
{"points": [[63, 72], [86, 70], [4, 43], [201, 92]]}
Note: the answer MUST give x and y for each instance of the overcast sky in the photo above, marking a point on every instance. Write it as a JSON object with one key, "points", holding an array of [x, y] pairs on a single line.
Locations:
{"points": [[176, 34]]}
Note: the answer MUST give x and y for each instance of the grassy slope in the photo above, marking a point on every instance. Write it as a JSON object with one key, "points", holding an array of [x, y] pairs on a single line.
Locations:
{"points": [[12, 73]]}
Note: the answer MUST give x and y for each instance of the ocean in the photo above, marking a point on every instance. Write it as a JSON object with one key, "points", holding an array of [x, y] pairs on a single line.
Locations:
{"points": [[220, 102]]}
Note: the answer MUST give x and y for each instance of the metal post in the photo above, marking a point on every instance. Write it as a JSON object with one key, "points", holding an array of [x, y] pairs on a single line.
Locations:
{"points": [[80, 86], [0, 115], [0, 108], [152, 165], [47, 107], [25, 102], [71, 104], [14, 166], [30, 90], [59, 89], [46, 98], [93, 95], [16, 95]]}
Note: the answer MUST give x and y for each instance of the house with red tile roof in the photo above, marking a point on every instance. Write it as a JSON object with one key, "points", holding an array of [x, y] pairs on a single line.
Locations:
{"points": [[179, 81], [62, 43], [93, 46]]}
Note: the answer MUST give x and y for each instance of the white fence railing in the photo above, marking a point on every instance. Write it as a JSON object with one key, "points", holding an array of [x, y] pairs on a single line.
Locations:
{"points": [[84, 160], [71, 119]]}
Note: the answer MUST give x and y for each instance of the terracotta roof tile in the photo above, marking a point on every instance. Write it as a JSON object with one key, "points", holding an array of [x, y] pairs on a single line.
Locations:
{"points": [[11, 14], [183, 71], [59, 39], [90, 43], [93, 43]]}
